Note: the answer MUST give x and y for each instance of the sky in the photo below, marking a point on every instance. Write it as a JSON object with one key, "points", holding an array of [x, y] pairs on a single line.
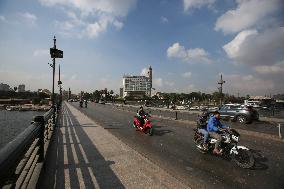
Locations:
{"points": [[188, 43]]}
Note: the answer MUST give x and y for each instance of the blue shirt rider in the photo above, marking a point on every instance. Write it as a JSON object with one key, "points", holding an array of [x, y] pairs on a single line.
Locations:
{"points": [[214, 127]]}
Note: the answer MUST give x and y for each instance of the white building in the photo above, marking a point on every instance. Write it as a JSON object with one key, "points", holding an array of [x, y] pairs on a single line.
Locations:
{"points": [[137, 86], [21, 88]]}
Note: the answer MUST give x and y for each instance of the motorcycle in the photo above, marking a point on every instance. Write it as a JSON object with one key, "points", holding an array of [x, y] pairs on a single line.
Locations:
{"points": [[147, 127], [229, 148]]}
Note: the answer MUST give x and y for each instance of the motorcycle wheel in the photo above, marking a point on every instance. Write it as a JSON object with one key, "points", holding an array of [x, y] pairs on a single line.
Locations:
{"points": [[244, 159]]}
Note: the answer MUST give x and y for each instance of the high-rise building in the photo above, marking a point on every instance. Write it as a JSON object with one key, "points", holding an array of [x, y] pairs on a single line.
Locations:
{"points": [[21, 88], [137, 86]]}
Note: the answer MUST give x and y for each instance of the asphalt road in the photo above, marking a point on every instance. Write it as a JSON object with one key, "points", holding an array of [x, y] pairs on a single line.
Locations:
{"points": [[172, 148]]}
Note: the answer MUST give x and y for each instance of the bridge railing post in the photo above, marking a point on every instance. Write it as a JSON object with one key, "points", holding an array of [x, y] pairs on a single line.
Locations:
{"points": [[41, 124]]}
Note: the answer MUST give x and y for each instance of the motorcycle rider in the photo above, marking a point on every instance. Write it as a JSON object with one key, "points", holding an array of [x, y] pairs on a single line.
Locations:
{"points": [[214, 127], [86, 103], [202, 128], [81, 103], [140, 114]]}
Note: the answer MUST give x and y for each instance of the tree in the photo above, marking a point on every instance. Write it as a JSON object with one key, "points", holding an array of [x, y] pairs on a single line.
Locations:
{"points": [[96, 95]]}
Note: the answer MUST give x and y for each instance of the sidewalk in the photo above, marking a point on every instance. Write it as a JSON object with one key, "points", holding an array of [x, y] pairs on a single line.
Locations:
{"points": [[85, 155]]}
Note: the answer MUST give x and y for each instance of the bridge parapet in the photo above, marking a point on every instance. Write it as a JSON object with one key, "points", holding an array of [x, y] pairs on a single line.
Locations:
{"points": [[22, 159]]}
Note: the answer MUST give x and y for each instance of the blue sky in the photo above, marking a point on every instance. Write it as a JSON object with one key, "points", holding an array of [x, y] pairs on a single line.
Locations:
{"points": [[188, 43]]}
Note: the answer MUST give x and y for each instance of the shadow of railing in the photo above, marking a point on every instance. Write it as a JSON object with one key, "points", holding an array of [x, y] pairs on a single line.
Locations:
{"points": [[84, 166]]}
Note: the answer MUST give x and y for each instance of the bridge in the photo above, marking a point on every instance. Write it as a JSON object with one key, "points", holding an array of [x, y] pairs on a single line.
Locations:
{"points": [[96, 147]]}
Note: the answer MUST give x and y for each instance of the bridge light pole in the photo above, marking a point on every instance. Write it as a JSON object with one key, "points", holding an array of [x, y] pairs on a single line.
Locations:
{"points": [[54, 53], [60, 87]]}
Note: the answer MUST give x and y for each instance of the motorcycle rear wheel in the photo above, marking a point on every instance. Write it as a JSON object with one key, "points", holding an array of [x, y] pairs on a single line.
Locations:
{"points": [[244, 159]]}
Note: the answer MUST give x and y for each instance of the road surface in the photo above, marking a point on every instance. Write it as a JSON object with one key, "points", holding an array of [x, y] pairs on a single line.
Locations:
{"points": [[172, 149]]}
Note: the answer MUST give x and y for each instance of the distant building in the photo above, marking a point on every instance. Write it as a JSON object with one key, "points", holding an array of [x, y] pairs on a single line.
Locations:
{"points": [[65, 94], [137, 86], [4, 87], [21, 88]]}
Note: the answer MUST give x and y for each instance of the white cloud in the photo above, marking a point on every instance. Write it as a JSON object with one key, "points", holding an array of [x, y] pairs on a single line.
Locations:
{"points": [[196, 55], [176, 51], [95, 16], [187, 74], [94, 29], [247, 84], [88, 7], [234, 47], [247, 14], [257, 48], [191, 4], [164, 19], [278, 68], [41, 52], [28, 18], [2, 18]]}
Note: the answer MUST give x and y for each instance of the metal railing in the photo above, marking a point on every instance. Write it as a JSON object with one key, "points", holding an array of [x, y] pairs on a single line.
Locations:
{"points": [[22, 159]]}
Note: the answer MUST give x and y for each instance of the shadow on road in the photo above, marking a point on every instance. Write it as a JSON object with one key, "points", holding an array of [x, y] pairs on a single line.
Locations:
{"points": [[161, 132], [259, 160]]}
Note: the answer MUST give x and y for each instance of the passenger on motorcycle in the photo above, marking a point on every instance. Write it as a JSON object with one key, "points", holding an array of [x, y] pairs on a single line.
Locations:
{"points": [[215, 128], [140, 114], [202, 128]]}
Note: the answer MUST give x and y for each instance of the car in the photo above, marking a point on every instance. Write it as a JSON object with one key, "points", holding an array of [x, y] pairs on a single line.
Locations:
{"points": [[239, 113], [101, 102], [194, 108], [180, 107]]}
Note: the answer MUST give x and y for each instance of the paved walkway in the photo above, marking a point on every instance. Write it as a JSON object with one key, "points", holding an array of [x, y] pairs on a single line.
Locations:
{"points": [[85, 155]]}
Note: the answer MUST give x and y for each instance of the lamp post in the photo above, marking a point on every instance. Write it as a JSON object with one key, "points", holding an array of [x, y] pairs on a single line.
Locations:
{"points": [[221, 82], [54, 53], [53, 75], [60, 88]]}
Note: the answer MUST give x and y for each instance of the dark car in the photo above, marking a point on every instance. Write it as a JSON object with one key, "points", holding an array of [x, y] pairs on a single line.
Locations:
{"points": [[239, 113]]}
